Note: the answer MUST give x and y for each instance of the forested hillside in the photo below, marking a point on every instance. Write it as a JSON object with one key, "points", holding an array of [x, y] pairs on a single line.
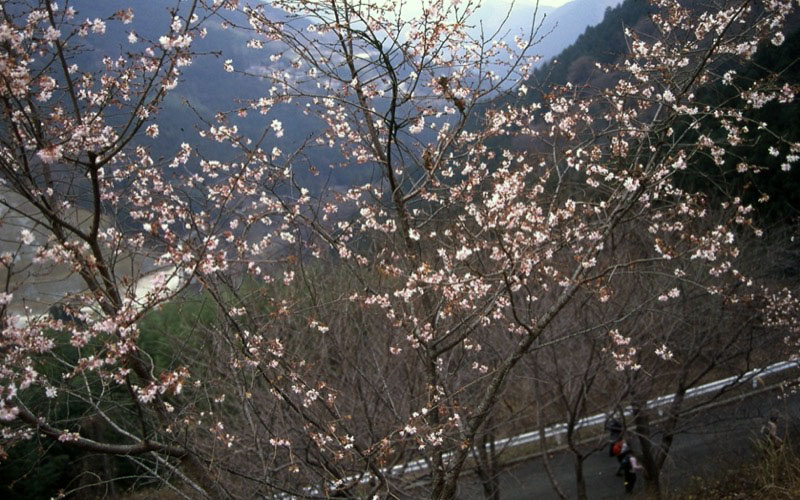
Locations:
{"points": [[607, 44]]}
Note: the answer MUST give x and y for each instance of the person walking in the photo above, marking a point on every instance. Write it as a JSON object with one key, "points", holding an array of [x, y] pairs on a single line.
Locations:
{"points": [[629, 466], [770, 430], [614, 428]]}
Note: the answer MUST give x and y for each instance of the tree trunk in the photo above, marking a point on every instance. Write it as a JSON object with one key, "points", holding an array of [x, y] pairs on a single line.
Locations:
{"points": [[649, 461], [580, 480], [488, 469], [543, 438]]}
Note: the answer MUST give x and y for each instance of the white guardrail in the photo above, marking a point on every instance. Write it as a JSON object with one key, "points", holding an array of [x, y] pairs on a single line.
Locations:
{"points": [[557, 430]]}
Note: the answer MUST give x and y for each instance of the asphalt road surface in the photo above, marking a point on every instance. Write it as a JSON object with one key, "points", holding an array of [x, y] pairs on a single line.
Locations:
{"points": [[711, 442]]}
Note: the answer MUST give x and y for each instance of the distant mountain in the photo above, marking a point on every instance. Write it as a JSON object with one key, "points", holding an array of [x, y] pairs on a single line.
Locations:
{"points": [[605, 43], [601, 42], [558, 27], [206, 89]]}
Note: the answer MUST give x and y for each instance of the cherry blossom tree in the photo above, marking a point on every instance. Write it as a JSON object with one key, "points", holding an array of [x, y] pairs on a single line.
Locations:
{"points": [[360, 337], [94, 209], [484, 248]]}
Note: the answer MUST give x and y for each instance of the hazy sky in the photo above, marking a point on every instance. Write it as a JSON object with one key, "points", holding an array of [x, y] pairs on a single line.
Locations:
{"points": [[549, 3], [553, 3]]}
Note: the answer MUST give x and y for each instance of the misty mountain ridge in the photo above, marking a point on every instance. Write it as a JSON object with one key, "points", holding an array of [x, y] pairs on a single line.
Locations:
{"points": [[559, 27], [205, 89]]}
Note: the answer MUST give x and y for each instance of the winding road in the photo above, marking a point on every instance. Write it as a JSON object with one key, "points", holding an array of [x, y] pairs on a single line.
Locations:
{"points": [[712, 442]]}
